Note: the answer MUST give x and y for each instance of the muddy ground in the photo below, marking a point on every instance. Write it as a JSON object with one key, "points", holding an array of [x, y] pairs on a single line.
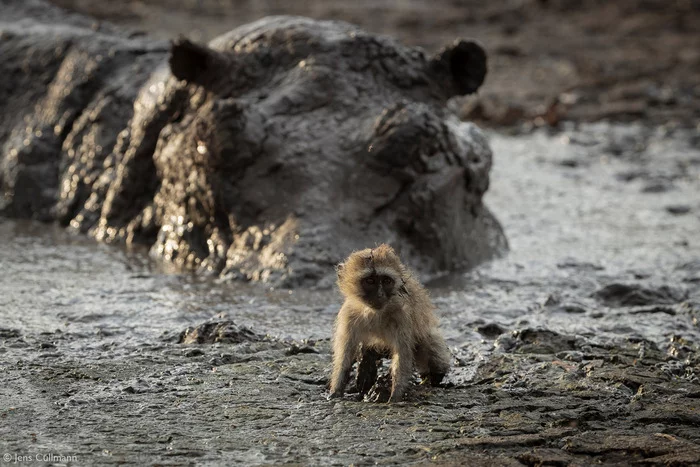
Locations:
{"points": [[579, 347], [549, 59]]}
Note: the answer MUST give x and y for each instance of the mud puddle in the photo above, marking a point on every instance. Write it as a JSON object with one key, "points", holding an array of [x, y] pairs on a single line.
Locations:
{"points": [[581, 346]]}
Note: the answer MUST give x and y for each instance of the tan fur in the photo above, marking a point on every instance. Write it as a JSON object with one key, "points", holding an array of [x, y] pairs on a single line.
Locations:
{"points": [[405, 326]]}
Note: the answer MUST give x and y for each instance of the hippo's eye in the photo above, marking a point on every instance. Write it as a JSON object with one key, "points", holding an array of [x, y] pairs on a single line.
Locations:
{"points": [[387, 281], [368, 280]]}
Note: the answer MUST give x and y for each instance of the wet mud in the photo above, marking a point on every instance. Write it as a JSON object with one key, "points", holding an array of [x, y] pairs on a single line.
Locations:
{"points": [[580, 347]]}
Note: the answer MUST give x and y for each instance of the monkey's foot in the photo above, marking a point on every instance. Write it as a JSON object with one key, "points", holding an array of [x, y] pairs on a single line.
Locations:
{"points": [[366, 376], [367, 370], [434, 379], [335, 395], [380, 391], [376, 395]]}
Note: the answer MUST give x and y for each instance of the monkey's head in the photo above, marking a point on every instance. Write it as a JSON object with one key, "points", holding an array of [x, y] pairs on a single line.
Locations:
{"points": [[373, 275]]}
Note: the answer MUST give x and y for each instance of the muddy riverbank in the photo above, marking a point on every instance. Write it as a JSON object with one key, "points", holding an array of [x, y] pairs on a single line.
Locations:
{"points": [[579, 347], [549, 60]]}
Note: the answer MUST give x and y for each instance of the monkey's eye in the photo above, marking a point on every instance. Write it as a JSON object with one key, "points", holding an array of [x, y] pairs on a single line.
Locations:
{"points": [[387, 280], [369, 280]]}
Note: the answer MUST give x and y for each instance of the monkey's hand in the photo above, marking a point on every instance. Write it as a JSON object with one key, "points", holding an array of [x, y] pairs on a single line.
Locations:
{"points": [[335, 395]]}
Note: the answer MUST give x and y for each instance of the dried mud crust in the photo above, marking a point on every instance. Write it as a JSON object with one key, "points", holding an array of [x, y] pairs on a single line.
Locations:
{"points": [[549, 59], [255, 402]]}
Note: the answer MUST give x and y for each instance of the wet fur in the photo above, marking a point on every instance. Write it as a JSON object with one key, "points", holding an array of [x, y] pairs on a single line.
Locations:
{"points": [[398, 319]]}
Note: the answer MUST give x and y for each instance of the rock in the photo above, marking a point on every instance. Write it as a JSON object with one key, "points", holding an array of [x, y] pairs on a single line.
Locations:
{"points": [[296, 349], [636, 295], [653, 309], [572, 308], [267, 155], [542, 341], [226, 332], [8, 333], [491, 330], [678, 209], [657, 186]]}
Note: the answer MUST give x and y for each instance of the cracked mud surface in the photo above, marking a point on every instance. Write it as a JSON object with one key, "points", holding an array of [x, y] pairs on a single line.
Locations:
{"points": [[580, 347]]}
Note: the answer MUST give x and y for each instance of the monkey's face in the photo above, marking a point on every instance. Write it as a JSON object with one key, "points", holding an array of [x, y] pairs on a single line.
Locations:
{"points": [[377, 289], [372, 275]]}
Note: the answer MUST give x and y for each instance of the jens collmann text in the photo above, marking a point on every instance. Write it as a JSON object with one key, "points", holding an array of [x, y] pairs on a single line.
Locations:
{"points": [[18, 458]]}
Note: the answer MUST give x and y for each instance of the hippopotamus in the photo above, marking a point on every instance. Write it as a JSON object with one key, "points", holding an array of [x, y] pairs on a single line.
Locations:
{"points": [[268, 154]]}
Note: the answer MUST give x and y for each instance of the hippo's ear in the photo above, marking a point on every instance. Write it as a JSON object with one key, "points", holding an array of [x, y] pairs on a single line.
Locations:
{"points": [[195, 63], [464, 62]]}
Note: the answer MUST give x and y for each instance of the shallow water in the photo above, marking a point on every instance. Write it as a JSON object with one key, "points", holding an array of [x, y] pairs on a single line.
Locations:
{"points": [[88, 332]]}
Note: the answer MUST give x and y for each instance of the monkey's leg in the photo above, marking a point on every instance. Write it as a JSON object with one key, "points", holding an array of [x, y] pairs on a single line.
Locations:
{"points": [[401, 372], [367, 370], [438, 358], [422, 359], [344, 349]]}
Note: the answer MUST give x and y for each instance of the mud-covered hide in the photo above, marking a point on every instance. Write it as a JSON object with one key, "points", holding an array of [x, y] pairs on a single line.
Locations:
{"points": [[267, 155], [67, 89]]}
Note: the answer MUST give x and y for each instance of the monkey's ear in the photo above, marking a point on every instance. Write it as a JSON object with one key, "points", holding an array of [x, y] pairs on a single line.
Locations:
{"points": [[339, 269], [463, 63], [195, 63]]}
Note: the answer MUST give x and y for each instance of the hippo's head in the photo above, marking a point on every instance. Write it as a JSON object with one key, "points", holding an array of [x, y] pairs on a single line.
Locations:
{"points": [[287, 143]]}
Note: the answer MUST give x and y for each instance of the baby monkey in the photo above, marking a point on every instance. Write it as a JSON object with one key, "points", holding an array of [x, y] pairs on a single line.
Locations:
{"points": [[386, 310]]}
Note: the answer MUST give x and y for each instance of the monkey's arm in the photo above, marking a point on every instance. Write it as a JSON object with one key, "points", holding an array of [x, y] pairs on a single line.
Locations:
{"points": [[345, 342]]}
